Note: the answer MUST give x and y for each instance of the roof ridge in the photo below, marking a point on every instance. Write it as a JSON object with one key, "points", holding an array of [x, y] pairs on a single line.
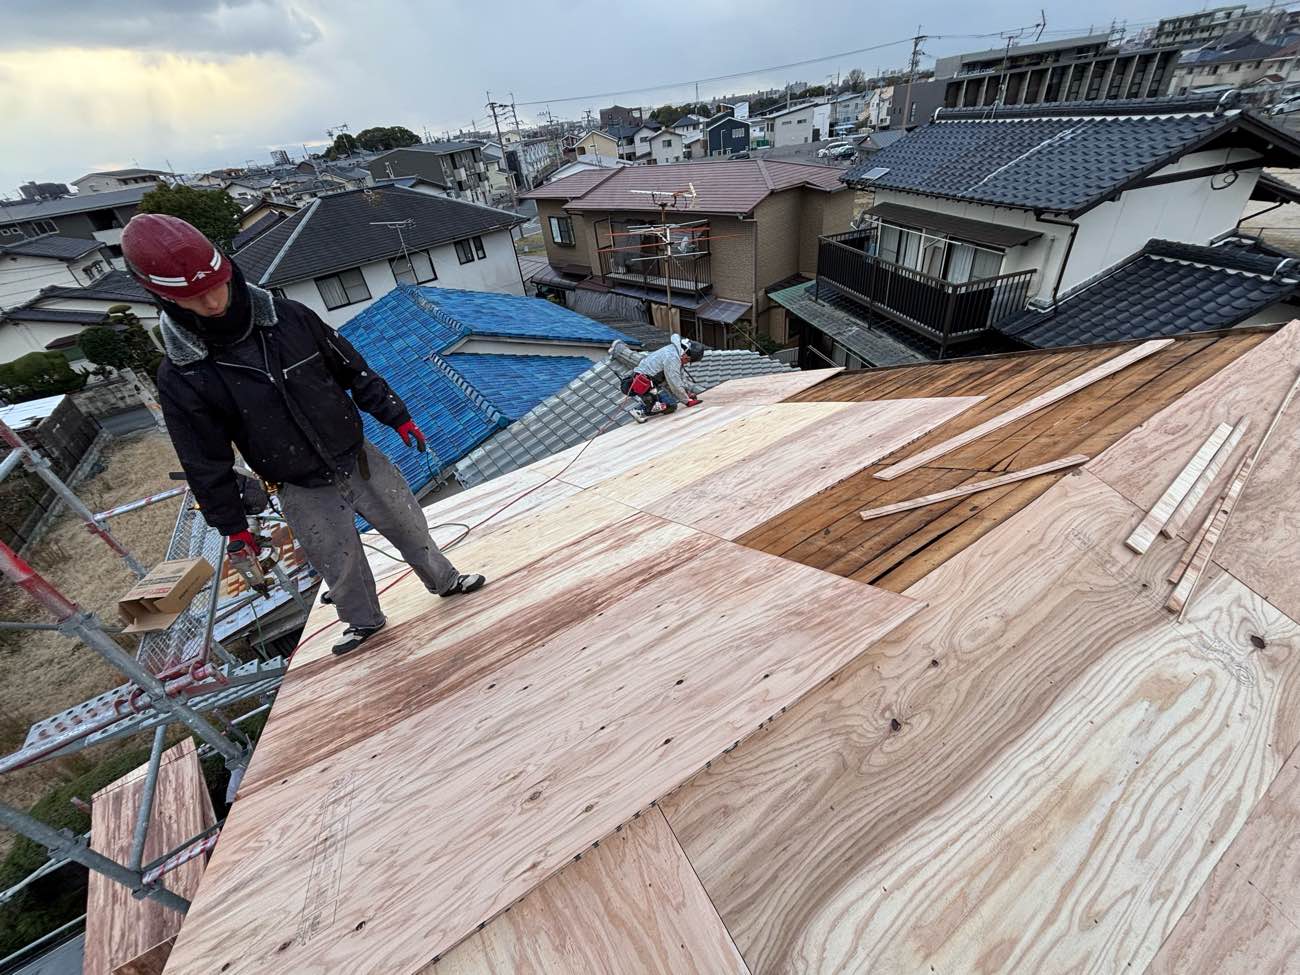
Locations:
{"points": [[306, 213], [767, 177], [471, 392]]}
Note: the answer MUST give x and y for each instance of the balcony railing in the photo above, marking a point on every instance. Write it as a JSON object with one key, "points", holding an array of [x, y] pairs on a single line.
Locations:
{"points": [[693, 274], [936, 309]]}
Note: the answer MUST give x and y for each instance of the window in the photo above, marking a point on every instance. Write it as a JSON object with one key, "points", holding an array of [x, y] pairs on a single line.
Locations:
{"points": [[562, 231], [785, 121], [418, 270], [667, 143], [580, 150], [479, 249], [802, 121], [464, 252], [93, 270], [737, 133], [10, 231], [344, 288]]}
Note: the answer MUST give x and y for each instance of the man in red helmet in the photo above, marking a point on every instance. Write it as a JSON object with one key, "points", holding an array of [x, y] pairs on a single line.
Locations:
{"points": [[266, 374]]}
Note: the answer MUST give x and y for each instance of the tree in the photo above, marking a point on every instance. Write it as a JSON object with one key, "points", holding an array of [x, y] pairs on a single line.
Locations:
{"points": [[105, 346], [380, 137], [38, 374], [121, 343], [856, 80], [214, 213], [345, 144]]}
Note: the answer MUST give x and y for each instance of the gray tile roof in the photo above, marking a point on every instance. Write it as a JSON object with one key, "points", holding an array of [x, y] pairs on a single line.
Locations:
{"points": [[52, 245], [338, 231], [1057, 164], [1165, 289], [62, 316], [115, 286], [580, 411], [81, 203]]}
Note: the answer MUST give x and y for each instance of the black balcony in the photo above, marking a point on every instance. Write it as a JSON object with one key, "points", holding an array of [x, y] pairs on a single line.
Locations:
{"points": [[689, 274], [938, 310]]}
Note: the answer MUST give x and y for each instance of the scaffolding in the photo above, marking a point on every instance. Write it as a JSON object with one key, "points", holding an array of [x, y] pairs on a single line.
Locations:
{"points": [[178, 675]]}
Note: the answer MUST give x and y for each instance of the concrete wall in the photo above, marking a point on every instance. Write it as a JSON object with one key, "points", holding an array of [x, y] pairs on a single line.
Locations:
{"points": [[498, 272], [106, 398]]}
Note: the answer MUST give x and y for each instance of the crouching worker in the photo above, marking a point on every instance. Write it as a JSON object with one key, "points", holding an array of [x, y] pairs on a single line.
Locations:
{"points": [[267, 375], [659, 380]]}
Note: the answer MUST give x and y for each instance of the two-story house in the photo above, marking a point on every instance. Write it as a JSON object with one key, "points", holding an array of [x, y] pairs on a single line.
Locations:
{"points": [[341, 252], [666, 146], [750, 224], [120, 179], [689, 126], [456, 166], [985, 224], [846, 109], [809, 122], [94, 216], [56, 315], [642, 139], [596, 144], [726, 135], [530, 160], [28, 265]]}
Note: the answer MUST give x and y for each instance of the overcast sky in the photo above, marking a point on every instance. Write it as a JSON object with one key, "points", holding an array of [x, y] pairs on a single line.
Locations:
{"points": [[193, 84]]}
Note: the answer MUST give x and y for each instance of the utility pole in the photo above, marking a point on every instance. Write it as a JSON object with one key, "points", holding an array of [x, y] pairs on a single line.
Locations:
{"points": [[510, 179], [911, 73]]}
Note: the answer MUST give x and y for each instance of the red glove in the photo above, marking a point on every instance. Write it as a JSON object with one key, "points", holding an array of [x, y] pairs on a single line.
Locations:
{"points": [[250, 547], [411, 435], [692, 402]]}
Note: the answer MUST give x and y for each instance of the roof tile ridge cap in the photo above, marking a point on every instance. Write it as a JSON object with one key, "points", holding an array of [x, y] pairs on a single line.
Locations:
{"points": [[307, 212], [472, 393], [443, 318], [767, 177]]}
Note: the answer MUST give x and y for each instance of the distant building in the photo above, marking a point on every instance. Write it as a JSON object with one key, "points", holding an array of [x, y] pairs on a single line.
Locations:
{"points": [[95, 216], [119, 179], [598, 145], [641, 139], [52, 318], [1204, 26], [341, 252], [1075, 69], [726, 135], [27, 266], [279, 157], [456, 166], [798, 124], [44, 191], [618, 115], [666, 146], [1237, 61]]}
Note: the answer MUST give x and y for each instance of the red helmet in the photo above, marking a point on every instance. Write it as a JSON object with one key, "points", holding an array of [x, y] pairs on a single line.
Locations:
{"points": [[171, 258]]}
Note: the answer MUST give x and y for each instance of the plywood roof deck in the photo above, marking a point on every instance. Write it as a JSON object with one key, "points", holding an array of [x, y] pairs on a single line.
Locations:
{"points": [[894, 552]]}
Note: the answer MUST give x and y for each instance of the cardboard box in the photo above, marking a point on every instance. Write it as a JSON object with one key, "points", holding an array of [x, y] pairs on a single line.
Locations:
{"points": [[156, 600]]}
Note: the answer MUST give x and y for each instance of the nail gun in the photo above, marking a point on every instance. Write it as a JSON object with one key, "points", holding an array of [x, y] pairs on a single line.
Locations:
{"points": [[253, 566]]}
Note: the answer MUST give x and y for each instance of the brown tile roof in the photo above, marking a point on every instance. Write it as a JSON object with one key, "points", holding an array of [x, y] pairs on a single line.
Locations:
{"points": [[723, 185], [569, 186]]}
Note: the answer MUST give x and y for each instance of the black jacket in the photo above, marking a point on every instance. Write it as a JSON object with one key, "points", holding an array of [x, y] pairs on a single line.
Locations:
{"points": [[280, 395]]}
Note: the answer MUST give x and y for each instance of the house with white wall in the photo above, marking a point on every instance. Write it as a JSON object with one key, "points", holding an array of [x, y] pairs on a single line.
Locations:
{"points": [[120, 179], [51, 318], [341, 252], [27, 266], [666, 146], [809, 122], [986, 222]]}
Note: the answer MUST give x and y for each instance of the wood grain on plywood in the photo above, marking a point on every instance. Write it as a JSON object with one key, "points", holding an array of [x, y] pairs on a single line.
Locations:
{"points": [[1036, 774], [757, 390], [631, 906], [1206, 479], [1145, 533], [1024, 409], [1246, 919], [404, 842], [974, 487], [120, 928], [769, 480], [151, 962], [1141, 463]]}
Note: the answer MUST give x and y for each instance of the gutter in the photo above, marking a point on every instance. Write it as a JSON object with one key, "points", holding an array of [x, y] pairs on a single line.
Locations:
{"points": [[1065, 258]]}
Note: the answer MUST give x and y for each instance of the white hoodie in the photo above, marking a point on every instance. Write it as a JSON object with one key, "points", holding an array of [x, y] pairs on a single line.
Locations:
{"points": [[668, 361]]}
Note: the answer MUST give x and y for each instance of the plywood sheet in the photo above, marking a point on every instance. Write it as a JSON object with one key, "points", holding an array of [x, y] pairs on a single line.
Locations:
{"points": [[1036, 774], [757, 390], [1246, 919], [119, 928], [631, 906], [767, 481], [1140, 465], [151, 962], [403, 843]]}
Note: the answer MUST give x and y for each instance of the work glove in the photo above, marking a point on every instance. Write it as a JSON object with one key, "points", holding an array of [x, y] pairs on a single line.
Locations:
{"points": [[411, 435], [250, 546], [693, 401]]}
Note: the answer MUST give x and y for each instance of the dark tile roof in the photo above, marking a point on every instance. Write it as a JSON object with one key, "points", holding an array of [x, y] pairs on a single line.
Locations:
{"points": [[81, 203], [437, 148], [124, 173], [1271, 189], [66, 316], [338, 231], [1167, 105], [54, 246], [1165, 289], [115, 286], [853, 327], [722, 185], [1059, 164], [259, 226]]}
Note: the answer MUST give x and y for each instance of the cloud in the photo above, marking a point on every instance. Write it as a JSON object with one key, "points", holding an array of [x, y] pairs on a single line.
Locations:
{"points": [[212, 27]]}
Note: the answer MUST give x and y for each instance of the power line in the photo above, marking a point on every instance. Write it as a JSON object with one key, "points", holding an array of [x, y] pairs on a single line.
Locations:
{"points": [[751, 71]]}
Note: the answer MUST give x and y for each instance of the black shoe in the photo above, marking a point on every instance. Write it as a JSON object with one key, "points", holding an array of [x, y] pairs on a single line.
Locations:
{"points": [[327, 599], [463, 584], [353, 637]]}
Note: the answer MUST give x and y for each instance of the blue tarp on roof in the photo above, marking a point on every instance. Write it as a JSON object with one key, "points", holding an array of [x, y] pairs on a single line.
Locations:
{"points": [[460, 400], [487, 314], [514, 384]]}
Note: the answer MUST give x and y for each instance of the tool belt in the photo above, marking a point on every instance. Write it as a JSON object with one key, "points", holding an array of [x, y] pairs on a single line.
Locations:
{"points": [[637, 384]]}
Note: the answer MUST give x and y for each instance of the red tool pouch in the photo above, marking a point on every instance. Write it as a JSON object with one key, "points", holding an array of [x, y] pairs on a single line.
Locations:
{"points": [[640, 384]]}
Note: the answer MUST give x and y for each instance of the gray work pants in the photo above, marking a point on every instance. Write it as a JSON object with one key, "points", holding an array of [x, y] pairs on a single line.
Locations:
{"points": [[322, 521]]}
